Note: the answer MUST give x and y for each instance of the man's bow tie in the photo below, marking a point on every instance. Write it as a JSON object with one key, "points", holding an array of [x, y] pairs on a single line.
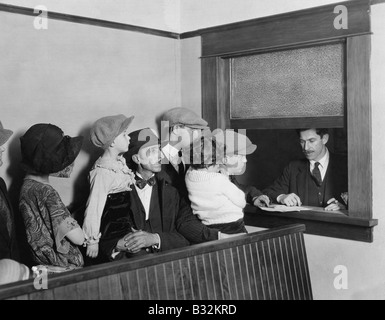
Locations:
{"points": [[141, 183]]}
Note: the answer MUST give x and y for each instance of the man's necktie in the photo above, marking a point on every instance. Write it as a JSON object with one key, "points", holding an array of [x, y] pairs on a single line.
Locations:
{"points": [[317, 174], [180, 165], [141, 183]]}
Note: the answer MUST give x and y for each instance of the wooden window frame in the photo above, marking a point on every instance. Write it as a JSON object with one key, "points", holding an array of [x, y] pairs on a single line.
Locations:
{"points": [[293, 30]]}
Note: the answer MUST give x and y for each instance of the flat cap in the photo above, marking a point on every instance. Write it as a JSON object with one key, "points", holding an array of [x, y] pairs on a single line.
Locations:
{"points": [[236, 143], [185, 117], [106, 129]]}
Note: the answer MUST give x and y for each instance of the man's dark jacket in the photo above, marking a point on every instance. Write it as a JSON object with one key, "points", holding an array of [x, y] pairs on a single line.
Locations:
{"points": [[295, 179], [180, 226], [8, 242]]}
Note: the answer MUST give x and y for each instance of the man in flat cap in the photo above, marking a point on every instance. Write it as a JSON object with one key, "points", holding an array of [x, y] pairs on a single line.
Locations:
{"points": [[238, 146], [151, 217], [8, 243], [185, 127]]}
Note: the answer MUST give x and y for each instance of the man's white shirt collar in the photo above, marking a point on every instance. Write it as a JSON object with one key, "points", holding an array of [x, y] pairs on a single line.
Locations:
{"points": [[324, 162]]}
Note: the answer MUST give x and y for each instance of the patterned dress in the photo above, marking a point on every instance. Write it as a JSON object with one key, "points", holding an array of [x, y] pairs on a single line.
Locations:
{"points": [[47, 221]]}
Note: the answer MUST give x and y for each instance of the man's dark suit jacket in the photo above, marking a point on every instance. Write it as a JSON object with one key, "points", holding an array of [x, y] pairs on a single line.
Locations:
{"points": [[176, 180], [295, 176], [8, 243], [250, 191], [179, 225]]}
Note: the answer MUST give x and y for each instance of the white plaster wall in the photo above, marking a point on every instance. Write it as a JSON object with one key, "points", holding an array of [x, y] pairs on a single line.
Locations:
{"points": [[72, 74]]}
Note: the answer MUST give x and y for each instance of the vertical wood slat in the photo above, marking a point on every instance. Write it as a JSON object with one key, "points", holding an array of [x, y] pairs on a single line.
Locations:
{"points": [[153, 283], [171, 286], [194, 278], [359, 117], [216, 271], [283, 278], [237, 273], [232, 290], [244, 273], [208, 277], [277, 268], [201, 277]]}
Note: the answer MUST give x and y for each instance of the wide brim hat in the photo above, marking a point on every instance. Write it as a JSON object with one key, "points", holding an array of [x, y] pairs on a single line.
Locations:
{"points": [[5, 134], [145, 137], [184, 116], [106, 129], [45, 149]]}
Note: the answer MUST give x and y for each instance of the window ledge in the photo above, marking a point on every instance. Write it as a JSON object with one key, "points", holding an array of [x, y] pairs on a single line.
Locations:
{"points": [[317, 221]]}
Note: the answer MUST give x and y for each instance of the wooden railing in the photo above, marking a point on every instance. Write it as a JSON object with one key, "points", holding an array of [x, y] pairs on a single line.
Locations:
{"points": [[265, 265]]}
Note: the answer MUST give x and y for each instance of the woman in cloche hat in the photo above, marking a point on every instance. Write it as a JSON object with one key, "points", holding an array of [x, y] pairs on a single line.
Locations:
{"points": [[52, 233]]}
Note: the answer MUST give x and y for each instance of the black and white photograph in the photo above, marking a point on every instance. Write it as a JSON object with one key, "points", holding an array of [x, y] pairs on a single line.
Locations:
{"points": [[192, 155]]}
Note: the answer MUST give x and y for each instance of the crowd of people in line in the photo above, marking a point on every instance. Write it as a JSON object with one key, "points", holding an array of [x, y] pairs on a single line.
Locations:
{"points": [[148, 195]]}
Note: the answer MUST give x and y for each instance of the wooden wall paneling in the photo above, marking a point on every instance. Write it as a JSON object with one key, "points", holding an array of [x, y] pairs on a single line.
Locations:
{"points": [[251, 281], [201, 273], [287, 123], [244, 273], [194, 279], [209, 277], [152, 283], [177, 274], [279, 30], [230, 276], [161, 281], [359, 118], [209, 91], [278, 248], [217, 275], [255, 263], [237, 273], [223, 92], [92, 286], [270, 281], [264, 277], [275, 268], [41, 295], [245, 267]]}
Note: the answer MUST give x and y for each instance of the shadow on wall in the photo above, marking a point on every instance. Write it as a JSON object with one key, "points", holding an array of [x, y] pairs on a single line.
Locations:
{"points": [[17, 175], [81, 187]]}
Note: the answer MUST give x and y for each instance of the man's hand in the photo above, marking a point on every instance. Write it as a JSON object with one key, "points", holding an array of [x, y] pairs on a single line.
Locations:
{"points": [[137, 240], [290, 200], [334, 205], [262, 201]]}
